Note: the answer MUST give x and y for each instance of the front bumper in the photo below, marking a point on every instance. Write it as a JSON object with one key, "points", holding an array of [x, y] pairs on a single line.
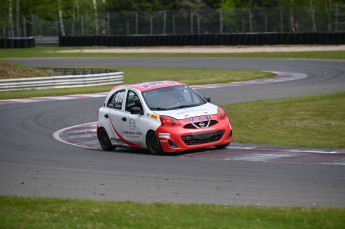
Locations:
{"points": [[177, 139]]}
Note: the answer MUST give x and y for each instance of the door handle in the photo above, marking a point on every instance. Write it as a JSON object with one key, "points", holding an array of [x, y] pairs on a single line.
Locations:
{"points": [[124, 119], [106, 116]]}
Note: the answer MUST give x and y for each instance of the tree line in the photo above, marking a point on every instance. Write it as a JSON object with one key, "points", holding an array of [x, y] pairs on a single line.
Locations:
{"points": [[14, 13]]}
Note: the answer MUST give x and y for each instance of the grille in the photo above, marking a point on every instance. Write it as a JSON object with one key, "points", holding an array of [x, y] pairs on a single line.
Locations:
{"points": [[203, 124], [196, 139]]}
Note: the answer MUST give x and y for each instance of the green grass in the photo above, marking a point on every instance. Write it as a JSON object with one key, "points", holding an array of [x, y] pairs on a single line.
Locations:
{"points": [[191, 76], [12, 70], [47, 52], [310, 121], [60, 213]]}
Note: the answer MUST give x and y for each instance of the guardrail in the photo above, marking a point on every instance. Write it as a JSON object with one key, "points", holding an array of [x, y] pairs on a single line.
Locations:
{"points": [[46, 41], [67, 81]]}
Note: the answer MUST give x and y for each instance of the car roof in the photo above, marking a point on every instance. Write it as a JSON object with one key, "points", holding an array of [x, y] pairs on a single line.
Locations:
{"points": [[146, 86]]}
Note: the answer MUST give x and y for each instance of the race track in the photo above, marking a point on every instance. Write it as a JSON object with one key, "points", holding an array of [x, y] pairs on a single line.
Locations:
{"points": [[33, 163]]}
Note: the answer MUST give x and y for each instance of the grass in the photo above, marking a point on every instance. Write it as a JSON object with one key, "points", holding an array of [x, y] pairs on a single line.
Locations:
{"points": [[46, 52], [136, 74], [310, 121], [10, 70], [62, 213]]}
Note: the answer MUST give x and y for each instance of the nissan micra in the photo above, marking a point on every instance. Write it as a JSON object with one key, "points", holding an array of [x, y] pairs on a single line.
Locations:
{"points": [[162, 117]]}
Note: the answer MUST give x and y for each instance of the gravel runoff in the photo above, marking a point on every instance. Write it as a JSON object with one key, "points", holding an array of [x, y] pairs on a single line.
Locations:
{"points": [[209, 49]]}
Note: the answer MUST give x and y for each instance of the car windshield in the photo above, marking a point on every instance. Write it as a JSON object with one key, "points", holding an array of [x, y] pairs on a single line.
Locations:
{"points": [[171, 98]]}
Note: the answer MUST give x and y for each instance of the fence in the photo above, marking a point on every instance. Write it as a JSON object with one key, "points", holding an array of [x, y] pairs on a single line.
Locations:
{"points": [[207, 39], [177, 22], [67, 81], [18, 42]]}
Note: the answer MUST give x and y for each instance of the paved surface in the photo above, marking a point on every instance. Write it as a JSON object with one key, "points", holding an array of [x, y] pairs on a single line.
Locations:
{"points": [[85, 136], [33, 163]]}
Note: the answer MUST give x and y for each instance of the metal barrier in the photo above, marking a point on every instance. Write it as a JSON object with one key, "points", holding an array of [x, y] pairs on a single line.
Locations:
{"points": [[68, 81], [46, 41]]}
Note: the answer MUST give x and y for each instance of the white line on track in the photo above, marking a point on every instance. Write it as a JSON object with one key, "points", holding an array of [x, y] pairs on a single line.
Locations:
{"points": [[58, 133]]}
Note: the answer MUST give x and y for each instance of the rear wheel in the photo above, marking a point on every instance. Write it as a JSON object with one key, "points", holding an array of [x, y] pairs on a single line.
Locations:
{"points": [[104, 140], [153, 144]]}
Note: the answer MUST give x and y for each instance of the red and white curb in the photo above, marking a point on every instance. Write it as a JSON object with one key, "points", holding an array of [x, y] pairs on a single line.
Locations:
{"points": [[85, 136], [280, 77]]}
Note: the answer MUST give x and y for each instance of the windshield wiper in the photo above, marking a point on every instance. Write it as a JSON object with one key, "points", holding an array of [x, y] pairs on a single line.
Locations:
{"points": [[158, 108]]}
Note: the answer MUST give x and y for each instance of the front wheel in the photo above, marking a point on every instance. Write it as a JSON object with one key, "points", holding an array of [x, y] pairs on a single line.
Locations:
{"points": [[153, 144], [104, 140]]}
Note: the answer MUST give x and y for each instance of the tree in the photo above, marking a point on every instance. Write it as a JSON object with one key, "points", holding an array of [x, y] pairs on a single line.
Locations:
{"points": [[10, 18], [227, 13]]}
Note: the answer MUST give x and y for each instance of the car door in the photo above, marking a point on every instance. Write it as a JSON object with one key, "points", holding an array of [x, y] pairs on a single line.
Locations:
{"points": [[115, 110], [133, 120]]}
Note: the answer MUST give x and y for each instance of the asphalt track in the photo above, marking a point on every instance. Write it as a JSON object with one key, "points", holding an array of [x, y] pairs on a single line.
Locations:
{"points": [[33, 163]]}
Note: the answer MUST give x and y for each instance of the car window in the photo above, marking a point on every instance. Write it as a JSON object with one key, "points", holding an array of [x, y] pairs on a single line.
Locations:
{"points": [[133, 101], [175, 97], [116, 100]]}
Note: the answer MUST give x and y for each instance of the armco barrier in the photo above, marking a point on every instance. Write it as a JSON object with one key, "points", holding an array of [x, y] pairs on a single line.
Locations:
{"points": [[67, 81], [20, 42], [207, 39]]}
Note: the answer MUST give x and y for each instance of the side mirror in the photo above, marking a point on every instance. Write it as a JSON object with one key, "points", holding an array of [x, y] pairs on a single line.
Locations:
{"points": [[136, 110], [208, 99]]}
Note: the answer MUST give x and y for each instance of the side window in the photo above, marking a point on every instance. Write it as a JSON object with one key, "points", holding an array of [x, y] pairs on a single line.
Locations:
{"points": [[132, 101], [116, 100]]}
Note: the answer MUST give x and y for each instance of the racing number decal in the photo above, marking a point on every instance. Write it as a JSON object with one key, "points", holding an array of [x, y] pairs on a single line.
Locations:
{"points": [[118, 99]]}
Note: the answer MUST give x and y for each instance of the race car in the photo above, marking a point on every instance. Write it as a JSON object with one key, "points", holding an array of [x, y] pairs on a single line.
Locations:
{"points": [[162, 117]]}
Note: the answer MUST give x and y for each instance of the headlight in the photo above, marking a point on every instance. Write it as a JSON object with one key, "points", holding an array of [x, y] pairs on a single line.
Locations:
{"points": [[221, 113], [169, 121]]}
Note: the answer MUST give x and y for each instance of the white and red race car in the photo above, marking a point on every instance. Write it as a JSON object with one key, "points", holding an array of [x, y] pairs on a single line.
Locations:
{"points": [[162, 117]]}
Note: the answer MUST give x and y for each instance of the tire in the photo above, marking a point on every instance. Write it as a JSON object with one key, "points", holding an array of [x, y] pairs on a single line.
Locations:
{"points": [[104, 140], [153, 144], [222, 146]]}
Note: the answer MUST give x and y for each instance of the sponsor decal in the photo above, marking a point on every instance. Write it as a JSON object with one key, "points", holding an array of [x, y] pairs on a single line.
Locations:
{"points": [[199, 119], [151, 84], [115, 140], [124, 140], [132, 124], [164, 135], [154, 116], [132, 133]]}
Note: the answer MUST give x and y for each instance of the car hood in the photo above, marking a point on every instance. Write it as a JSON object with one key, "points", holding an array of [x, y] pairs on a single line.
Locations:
{"points": [[206, 109]]}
